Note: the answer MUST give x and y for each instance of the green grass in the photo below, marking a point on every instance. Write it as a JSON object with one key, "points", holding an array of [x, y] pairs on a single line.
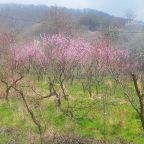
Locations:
{"points": [[121, 121]]}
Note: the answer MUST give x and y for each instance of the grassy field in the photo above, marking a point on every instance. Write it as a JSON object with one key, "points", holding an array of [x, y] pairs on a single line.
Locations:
{"points": [[106, 114]]}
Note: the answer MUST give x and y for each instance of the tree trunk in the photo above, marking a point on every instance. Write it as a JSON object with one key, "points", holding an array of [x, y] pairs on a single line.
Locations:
{"points": [[142, 120]]}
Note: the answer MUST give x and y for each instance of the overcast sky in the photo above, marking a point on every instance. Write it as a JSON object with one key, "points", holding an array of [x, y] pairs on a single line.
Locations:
{"points": [[114, 7]]}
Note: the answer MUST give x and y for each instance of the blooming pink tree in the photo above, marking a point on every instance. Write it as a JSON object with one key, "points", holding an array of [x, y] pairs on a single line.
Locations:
{"points": [[65, 54], [5, 42], [127, 70], [102, 56], [26, 56], [19, 58]]}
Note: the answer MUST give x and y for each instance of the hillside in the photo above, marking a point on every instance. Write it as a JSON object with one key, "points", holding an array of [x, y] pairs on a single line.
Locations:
{"points": [[24, 16]]}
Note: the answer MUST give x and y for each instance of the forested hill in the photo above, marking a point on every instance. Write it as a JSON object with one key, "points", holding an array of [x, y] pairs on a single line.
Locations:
{"points": [[23, 16]]}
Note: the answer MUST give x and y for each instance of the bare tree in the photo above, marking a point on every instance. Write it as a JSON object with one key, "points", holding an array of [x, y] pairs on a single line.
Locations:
{"points": [[129, 75], [130, 15], [59, 20]]}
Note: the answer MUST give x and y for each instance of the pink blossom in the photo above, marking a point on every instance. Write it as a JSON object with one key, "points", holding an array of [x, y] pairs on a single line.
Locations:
{"points": [[21, 54]]}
